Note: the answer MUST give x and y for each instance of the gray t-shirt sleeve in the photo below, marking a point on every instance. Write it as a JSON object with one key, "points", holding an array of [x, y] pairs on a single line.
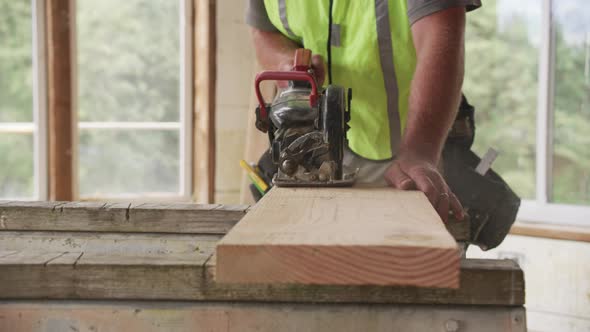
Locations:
{"points": [[257, 17], [418, 9]]}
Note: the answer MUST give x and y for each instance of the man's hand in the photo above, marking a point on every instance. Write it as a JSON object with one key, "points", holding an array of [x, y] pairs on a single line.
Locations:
{"points": [[276, 52], [434, 100], [413, 173], [317, 64]]}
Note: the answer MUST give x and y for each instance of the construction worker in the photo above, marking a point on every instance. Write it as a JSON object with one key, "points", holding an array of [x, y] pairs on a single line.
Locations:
{"points": [[403, 59]]}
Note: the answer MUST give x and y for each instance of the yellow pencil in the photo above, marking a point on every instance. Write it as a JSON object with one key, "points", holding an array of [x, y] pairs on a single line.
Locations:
{"points": [[258, 182]]}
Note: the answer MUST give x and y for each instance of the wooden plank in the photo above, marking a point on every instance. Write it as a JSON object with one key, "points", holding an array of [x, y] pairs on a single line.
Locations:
{"points": [[102, 276], [108, 243], [31, 257], [67, 258], [5, 252], [147, 260], [204, 110], [558, 232], [144, 217], [120, 217], [330, 236], [228, 317], [61, 98]]}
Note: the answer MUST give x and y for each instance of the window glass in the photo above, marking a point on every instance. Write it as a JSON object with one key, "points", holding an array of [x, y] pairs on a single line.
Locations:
{"points": [[128, 60], [571, 144], [16, 100], [129, 71], [501, 70], [16, 94], [16, 166], [124, 162]]}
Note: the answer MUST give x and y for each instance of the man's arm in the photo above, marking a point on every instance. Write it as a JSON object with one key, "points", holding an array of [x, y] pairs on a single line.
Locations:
{"points": [[274, 51], [434, 99]]}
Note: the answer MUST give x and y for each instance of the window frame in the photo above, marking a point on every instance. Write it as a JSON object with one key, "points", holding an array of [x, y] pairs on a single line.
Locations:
{"points": [[39, 100]]}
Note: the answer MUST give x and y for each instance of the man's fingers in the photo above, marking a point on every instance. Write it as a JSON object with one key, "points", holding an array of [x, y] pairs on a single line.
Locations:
{"points": [[442, 207], [425, 185], [319, 67], [398, 179], [456, 207]]}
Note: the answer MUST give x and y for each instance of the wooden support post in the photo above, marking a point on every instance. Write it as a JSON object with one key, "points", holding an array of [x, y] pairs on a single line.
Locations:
{"points": [[60, 19], [204, 110]]}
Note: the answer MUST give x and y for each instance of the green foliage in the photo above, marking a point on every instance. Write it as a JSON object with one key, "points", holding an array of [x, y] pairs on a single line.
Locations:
{"points": [[128, 60], [501, 82], [123, 162], [128, 70], [16, 101], [16, 166], [571, 163]]}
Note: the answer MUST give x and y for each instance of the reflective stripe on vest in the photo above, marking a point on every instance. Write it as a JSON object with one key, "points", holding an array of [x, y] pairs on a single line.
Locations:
{"points": [[376, 58]]}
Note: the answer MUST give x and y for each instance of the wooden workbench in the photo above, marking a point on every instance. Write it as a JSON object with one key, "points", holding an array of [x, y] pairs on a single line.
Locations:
{"points": [[149, 267]]}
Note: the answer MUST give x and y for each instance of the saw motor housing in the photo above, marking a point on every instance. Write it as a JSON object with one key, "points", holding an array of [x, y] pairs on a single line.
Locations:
{"points": [[306, 127]]}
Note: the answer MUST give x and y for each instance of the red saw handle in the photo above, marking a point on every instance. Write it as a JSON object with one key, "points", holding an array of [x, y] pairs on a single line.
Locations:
{"points": [[285, 76]]}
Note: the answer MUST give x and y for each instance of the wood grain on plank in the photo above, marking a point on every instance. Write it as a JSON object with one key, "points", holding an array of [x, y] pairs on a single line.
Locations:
{"points": [[108, 243], [90, 276], [30, 257], [340, 236], [120, 217]]}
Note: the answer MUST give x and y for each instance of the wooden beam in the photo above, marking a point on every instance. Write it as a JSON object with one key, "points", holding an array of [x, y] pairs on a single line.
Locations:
{"points": [[84, 269], [340, 236], [204, 110], [119, 217], [60, 18]]}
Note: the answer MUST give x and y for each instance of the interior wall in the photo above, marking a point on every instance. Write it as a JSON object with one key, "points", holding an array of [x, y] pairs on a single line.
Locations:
{"points": [[557, 280], [235, 79]]}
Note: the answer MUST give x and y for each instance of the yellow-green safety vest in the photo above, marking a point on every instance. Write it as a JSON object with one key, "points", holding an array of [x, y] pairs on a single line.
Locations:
{"points": [[372, 53]]}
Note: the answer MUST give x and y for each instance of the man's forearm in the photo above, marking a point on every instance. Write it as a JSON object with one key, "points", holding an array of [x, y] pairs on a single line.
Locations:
{"points": [[436, 86], [273, 50]]}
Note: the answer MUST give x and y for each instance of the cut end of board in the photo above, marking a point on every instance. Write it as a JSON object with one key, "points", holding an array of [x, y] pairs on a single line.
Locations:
{"points": [[340, 236], [338, 266]]}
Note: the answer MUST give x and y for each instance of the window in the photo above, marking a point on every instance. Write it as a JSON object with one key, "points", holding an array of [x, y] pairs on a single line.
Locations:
{"points": [[131, 137], [132, 96], [527, 74], [20, 126], [571, 102]]}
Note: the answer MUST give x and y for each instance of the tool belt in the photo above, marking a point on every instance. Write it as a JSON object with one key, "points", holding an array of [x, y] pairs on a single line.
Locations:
{"points": [[489, 201]]}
